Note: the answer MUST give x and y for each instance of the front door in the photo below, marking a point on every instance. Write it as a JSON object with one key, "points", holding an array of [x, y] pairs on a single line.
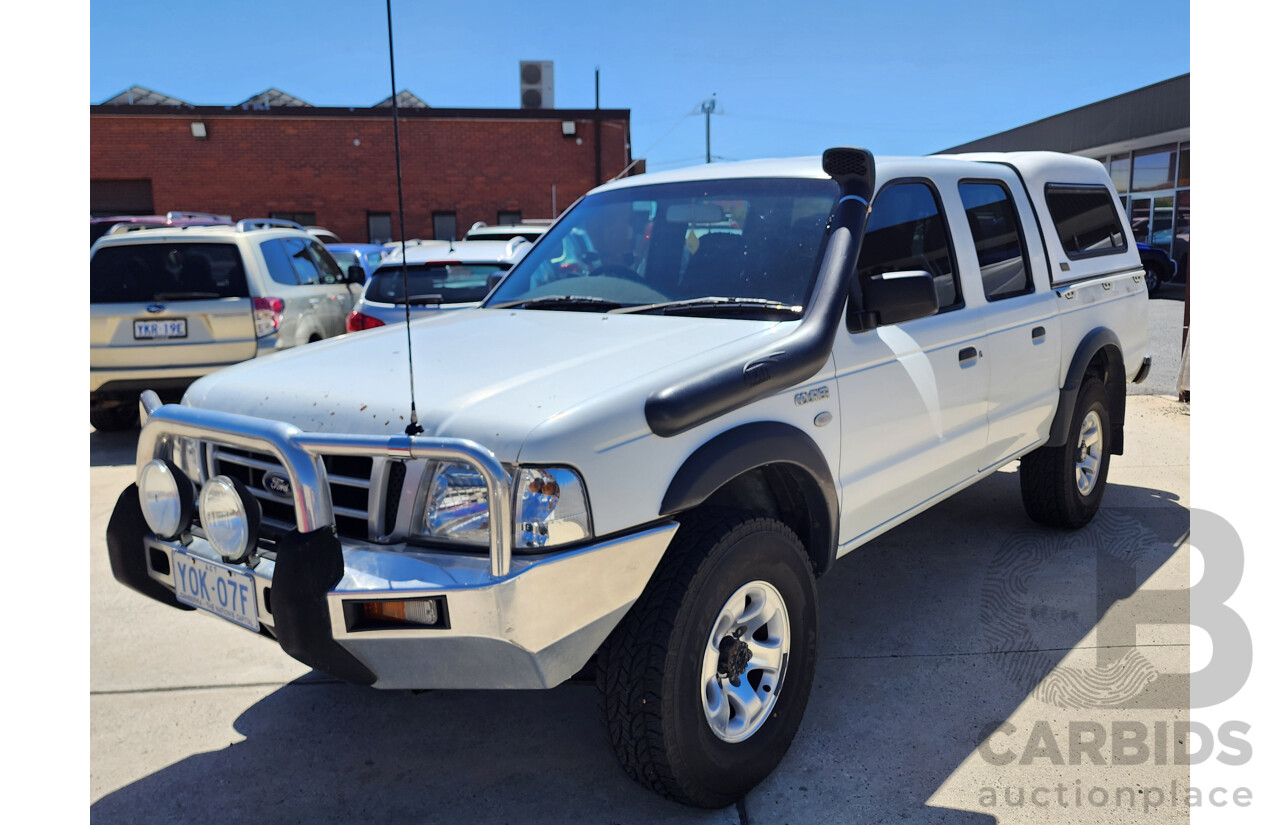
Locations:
{"points": [[912, 395]]}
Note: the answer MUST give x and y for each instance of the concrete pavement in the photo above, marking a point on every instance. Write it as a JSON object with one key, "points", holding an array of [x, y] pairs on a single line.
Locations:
{"points": [[936, 639]]}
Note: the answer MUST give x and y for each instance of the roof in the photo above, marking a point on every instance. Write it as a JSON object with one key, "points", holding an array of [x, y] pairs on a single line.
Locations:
{"points": [[1152, 110], [273, 99], [142, 96], [405, 99], [421, 252]]}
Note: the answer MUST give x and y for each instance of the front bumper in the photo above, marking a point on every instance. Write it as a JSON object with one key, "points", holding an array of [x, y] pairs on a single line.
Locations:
{"points": [[513, 622]]}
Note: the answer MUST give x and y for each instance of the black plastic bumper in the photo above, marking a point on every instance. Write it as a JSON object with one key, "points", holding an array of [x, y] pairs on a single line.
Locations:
{"points": [[308, 566]]}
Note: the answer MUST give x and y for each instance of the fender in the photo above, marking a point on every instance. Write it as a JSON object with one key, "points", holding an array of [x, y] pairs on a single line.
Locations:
{"points": [[751, 446], [1096, 341]]}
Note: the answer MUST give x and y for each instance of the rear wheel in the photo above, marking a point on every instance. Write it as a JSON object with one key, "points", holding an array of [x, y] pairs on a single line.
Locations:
{"points": [[113, 418], [703, 685], [1063, 486]]}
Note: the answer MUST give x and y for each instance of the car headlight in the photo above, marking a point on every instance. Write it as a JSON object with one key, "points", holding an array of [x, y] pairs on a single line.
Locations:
{"points": [[550, 508], [457, 505]]}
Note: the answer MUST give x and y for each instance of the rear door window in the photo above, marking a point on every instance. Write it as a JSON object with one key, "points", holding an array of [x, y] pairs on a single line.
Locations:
{"points": [[997, 237], [278, 264], [166, 272]]}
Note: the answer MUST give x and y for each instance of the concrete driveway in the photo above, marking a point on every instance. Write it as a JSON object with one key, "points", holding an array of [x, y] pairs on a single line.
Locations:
{"points": [[967, 627]]}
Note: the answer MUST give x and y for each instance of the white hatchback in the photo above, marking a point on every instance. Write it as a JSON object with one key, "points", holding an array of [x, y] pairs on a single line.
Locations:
{"points": [[442, 275]]}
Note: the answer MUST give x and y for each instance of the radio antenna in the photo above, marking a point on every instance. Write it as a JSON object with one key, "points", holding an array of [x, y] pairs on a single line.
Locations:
{"points": [[414, 427]]}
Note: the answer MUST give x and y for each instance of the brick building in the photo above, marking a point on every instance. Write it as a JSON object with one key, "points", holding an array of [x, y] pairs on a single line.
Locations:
{"points": [[274, 155]]}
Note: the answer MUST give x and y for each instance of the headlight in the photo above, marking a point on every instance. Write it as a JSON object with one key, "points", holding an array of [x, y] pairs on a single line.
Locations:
{"points": [[167, 498], [550, 508], [230, 516], [457, 505]]}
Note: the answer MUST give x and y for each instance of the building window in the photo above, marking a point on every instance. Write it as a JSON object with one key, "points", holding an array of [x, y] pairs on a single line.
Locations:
{"points": [[1002, 254], [379, 227], [1184, 165], [907, 231], [1086, 220], [108, 198], [304, 218], [1154, 169], [508, 217], [1120, 166], [444, 226]]}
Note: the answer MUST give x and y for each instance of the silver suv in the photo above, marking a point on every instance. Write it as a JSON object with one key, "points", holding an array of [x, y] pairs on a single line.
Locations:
{"points": [[169, 305]]}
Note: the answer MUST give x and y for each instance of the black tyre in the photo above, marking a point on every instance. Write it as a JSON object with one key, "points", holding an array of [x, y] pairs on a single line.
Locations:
{"points": [[114, 418], [1063, 486], [703, 685], [1152, 277]]}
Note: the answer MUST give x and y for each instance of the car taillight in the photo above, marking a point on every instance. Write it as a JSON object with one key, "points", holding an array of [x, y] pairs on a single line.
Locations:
{"points": [[357, 321], [267, 313]]}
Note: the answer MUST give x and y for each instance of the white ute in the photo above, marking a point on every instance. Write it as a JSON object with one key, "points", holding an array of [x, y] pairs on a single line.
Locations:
{"points": [[695, 393]]}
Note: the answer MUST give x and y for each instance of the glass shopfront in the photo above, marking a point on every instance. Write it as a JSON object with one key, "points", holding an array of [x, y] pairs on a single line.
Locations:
{"points": [[1154, 185]]}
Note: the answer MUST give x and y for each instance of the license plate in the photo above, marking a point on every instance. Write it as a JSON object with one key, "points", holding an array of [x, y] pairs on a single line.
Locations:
{"points": [[168, 328], [217, 588]]}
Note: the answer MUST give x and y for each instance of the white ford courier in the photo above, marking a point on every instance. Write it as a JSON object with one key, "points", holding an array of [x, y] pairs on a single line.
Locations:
{"points": [[696, 392]]}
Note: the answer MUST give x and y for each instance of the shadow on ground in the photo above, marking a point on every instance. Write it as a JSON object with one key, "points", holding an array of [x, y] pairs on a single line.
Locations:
{"points": [[911, 678]]}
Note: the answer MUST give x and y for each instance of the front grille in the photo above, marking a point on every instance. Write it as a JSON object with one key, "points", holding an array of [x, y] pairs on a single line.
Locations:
{"points": [[349, 488]]}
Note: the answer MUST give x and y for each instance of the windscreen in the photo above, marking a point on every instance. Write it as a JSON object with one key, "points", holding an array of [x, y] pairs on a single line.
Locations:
{"points": [[455, 283], [147, 272], [746, 238]]}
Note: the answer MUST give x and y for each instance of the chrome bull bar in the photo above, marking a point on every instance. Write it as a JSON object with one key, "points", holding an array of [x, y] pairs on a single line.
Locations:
{"points": [[300, 454]]}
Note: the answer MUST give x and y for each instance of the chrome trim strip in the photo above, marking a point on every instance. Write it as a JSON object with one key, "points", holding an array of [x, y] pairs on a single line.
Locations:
{"points": [[301, 454]]}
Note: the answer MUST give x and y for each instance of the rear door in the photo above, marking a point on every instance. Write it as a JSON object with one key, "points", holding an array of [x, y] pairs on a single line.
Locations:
{"points": [[169, 304]]}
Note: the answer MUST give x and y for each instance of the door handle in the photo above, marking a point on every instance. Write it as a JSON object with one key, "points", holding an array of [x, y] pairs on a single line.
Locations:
{"points": [[1037, 335], [969, 354]]}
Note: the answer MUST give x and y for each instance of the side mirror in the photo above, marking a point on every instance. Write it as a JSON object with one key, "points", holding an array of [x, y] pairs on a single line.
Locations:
{"points": [[894, 297], [355, 274]]}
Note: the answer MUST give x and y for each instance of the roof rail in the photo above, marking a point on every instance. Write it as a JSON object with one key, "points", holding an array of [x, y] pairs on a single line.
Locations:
{"points": [[515, 242], [173, 216], [249, 224], [477, 225]]}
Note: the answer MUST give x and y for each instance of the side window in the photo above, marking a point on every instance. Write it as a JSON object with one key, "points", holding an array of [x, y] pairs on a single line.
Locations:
{"points": [[907, 231], [308, 274], [997, 236], [278, 266], [330, 272], [1086, 220]]}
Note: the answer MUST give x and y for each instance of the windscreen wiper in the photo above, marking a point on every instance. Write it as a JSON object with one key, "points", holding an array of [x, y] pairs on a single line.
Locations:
{"points": [[420, 300], [716, 304], [580, 302]]}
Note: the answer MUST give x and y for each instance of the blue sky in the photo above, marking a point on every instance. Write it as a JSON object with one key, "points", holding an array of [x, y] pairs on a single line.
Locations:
{"points": [[791, 77]]}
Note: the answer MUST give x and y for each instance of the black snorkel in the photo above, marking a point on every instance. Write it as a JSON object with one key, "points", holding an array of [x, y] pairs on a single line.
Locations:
{"points": [[801, 354]]}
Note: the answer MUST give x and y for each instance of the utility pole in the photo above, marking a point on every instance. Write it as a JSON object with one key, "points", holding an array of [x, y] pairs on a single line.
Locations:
{"points": [[709, 106]]}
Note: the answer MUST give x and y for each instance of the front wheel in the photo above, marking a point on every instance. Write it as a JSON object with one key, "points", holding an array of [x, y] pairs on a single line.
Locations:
{"points": [[703, 685], [1152, 277]]}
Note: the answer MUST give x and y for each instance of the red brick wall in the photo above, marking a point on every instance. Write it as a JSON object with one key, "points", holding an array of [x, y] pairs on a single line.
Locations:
{"points": [[252, 165]]}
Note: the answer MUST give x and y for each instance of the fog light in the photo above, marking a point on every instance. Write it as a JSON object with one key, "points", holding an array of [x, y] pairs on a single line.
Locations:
{"points": [[230, 516], [167, 497], [423, 612]]}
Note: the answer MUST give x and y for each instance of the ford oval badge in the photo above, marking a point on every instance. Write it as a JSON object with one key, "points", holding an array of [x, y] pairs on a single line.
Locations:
{"points": [[277, 484]]}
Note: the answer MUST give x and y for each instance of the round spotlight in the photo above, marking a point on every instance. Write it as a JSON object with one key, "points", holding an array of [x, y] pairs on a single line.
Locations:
{"points": [[230, 516], [168, 499]]}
